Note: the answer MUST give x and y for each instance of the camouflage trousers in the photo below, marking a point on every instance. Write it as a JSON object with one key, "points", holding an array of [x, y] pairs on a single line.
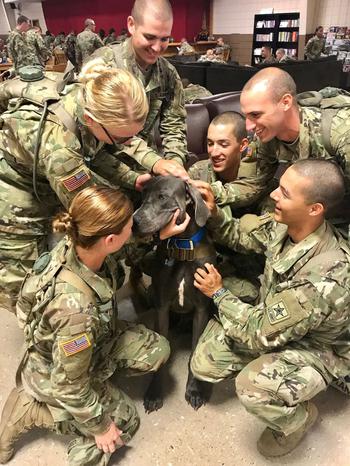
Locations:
{"points": [[136, 351], [275, 387]]}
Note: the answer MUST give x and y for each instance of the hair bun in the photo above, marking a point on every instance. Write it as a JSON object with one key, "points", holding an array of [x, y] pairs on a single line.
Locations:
{"points": [[92, 70], [62, 223]]}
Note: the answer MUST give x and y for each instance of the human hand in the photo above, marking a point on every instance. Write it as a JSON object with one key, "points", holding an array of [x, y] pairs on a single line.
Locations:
{"points": [[169, 167], [141, 180], [207, 195], [207, 280], [172, 229], [109, 441]]}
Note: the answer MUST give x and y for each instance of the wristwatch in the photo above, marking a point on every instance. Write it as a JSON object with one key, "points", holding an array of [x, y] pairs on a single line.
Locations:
{"points": [[218, 293]]}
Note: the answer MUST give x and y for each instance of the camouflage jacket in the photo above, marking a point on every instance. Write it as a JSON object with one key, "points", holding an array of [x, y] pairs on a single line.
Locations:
{"points": [[203, 170], [166, 102], [36, 42], [304, 295], [27, 48], [315, 47], [87, 42], [309, 145], [195, 91], [186, 49], [110, 39], [72, 333], [49, 41], [70, 44], [67, 162], [271, 59]]}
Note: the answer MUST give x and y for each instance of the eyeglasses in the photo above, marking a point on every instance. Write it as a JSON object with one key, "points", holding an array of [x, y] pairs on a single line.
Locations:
{"points": [[115, 140]]}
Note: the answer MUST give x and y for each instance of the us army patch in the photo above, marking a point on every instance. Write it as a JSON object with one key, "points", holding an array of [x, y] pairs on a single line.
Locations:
{"points": [[277, 313], [75, 345], [79, 178]]}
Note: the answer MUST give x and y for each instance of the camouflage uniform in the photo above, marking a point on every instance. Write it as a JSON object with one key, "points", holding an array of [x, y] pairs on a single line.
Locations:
{"points": [[36, 42], [75, 344], [315, 47], [239, 271], [309, 145], [59, 41], [49, 40], [195, 91], [166, 102], [70, 46], [67, 162], [294, 342], [269, 60], [26, 48], [186, 49], [110, 39], [87, 43], [221, 50]]}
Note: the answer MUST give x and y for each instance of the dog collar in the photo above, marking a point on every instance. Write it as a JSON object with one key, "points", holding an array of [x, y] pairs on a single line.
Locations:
{"points": [[187, 244]]}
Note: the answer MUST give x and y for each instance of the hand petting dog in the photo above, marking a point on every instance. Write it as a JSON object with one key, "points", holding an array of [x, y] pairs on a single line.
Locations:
{"points": [[208, 281]]}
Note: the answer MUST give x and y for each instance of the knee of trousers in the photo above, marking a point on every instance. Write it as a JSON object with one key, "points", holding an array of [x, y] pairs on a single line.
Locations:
{"points": [[160, 355], [203, 367]]}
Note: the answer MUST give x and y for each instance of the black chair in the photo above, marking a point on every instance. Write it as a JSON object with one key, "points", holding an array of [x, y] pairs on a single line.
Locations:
{"points": [[229, 103], [205, 100], [226, 78], [197, 122]]}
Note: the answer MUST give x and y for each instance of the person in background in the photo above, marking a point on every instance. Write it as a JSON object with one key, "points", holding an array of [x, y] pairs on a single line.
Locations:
{"points": [[36, 43], [193, 91], [111, 37], [316, 45], [222, 50], [202, 35], [282, 57], [87, 42], [59, 40], [266, 54], [123, 35], [102, 34], [74, 340], [70, 47], [19, 51], [49, 39], [186, 48]]}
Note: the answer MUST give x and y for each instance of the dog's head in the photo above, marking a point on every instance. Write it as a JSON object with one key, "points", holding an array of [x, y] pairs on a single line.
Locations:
{"points": [[162, 196]]}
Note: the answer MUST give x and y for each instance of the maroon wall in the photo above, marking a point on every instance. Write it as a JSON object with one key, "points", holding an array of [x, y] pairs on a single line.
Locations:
{"points": [[66, 15]]}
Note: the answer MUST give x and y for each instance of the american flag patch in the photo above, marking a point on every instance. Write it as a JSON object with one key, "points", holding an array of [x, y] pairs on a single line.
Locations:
{"points": [[76, 180], [76, 345]]}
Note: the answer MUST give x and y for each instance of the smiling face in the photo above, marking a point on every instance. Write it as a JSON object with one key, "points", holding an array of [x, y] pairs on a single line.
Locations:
{"points": [[264, 116], [224, 150], [149, 39]]}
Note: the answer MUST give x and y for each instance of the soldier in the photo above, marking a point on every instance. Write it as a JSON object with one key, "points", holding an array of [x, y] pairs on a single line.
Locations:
{"points": [[222, 50], [59, 40], [294, 342], [227, 142], [70, 46], [282, 57], [266, 53], [74, 341], [150, 26], [17, 44], [286, 132], [49, 39], [35, 42], [193, 91], [186, 48], [43, 165], [87, 42], [111, 37], [316, 45]]}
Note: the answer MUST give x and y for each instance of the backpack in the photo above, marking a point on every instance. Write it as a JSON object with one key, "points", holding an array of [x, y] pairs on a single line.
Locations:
{"points": [[330, 100], [33, 86]]}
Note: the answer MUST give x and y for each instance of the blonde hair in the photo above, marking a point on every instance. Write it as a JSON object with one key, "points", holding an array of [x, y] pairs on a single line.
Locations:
{"points": [[95, 212], [112, 96]]}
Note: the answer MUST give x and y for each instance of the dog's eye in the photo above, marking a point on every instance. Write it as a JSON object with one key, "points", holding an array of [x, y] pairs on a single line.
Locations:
{"points": [[161, 197]]}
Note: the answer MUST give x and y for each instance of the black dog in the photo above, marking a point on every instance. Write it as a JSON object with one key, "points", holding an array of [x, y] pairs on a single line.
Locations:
{"points": [[176, 261]]}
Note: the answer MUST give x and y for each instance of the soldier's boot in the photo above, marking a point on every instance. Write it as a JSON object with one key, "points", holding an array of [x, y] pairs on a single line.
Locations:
{"points": [[274, 443], [20, 414]]}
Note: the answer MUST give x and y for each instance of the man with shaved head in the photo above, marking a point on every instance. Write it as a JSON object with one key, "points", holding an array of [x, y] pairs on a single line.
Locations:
{"points": [[287, 131], [150, 25], [87, 42]]}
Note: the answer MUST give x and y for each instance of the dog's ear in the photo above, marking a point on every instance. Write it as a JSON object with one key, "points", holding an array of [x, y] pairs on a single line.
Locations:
{"points": [[201, 211]]}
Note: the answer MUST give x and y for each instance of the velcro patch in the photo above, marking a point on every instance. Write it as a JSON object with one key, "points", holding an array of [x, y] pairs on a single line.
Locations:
{"points": [[79, 178], [277, 312], [76, 345]]}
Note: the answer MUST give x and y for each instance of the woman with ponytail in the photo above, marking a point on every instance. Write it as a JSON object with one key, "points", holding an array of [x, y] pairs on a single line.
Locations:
{"points": [[53, 148], [74, 340]]}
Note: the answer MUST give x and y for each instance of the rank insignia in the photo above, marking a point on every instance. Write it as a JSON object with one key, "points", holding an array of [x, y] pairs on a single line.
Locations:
{"points": [[75, 345]]}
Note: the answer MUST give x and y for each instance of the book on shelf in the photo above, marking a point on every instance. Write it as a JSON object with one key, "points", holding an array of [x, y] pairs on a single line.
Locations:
{"points": [[265, 24], [289, 23], [264, 37], [284, 36]]}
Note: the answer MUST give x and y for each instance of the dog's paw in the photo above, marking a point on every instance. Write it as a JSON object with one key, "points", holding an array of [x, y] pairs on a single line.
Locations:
{"points": [[152, 404], [195, 398]]}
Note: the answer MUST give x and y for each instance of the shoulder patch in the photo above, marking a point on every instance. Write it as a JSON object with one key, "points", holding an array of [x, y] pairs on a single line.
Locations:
{"points": [[75, 345], [76, 180]]}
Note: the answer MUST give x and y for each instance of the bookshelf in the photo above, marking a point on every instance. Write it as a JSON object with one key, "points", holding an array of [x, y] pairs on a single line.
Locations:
{"points": [[280, 30]]}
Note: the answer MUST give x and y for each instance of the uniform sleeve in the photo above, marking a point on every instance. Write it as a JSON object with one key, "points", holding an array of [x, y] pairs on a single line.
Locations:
{"points": [[250, 233], [172, 124], [340, 139], [309, 48], [288, 316], [44, 52], [72, 352], [141, 153], [245, 191]]}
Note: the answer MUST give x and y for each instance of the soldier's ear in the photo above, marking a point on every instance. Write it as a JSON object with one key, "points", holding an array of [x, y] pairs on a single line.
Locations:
{"points": [[131, 25]]}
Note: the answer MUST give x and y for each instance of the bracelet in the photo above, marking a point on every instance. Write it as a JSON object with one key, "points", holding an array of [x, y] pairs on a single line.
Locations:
{"points": [[218, 293]]}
